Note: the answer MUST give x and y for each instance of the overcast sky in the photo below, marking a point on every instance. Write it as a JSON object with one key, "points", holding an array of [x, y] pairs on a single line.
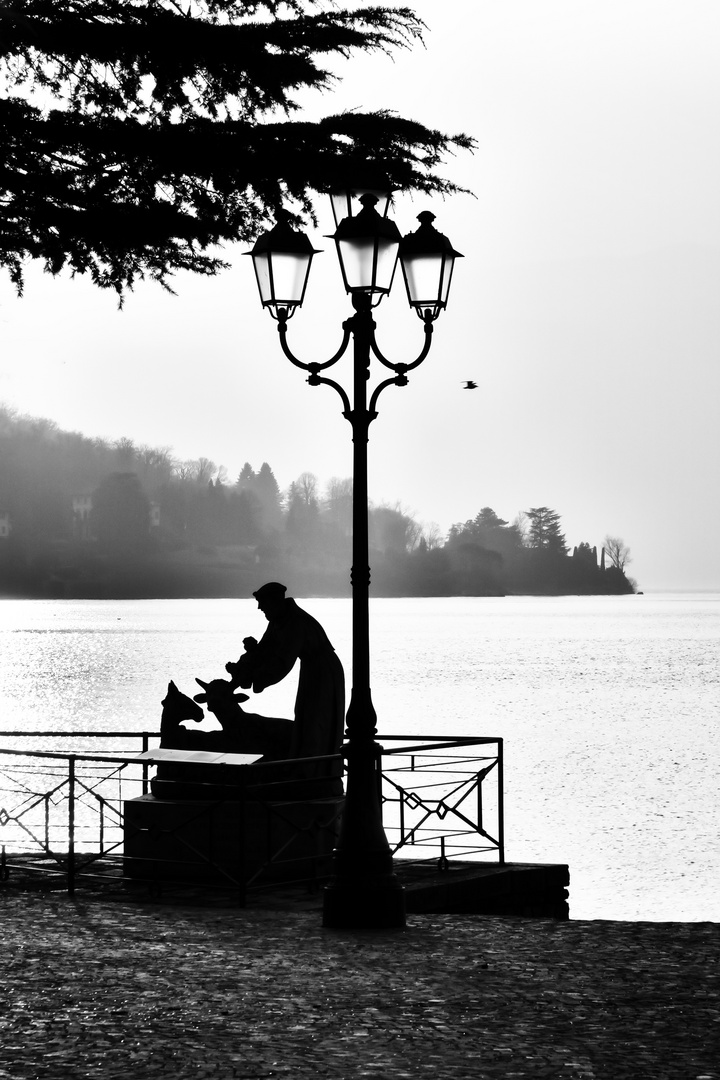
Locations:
{"points": [[587, 306]]}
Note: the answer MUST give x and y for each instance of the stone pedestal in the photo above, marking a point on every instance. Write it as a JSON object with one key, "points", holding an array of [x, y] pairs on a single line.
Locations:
{"points": [[232, 844]]}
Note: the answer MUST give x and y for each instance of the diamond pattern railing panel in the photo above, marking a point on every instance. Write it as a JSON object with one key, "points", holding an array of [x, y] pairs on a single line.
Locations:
{"points": [[443, 798]]}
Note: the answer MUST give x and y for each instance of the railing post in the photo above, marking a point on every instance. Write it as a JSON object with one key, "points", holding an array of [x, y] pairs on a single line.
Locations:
{"points": [[501, 803], [71, 826], [242, 861], [401, 806], [145, 747]]}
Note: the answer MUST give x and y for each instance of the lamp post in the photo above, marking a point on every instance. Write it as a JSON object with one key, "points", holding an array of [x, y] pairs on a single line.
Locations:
{"points": [[364, 891]]}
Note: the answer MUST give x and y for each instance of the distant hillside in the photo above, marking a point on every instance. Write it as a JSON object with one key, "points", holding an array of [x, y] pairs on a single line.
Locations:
{"points": [[83, 517]]}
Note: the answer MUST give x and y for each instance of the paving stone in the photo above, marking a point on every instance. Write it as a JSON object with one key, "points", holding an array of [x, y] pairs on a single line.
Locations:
{"points": [[111, 987]]}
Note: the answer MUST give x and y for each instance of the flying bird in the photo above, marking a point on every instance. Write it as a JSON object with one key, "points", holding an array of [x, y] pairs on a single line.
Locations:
{"points": [[470, 385]]}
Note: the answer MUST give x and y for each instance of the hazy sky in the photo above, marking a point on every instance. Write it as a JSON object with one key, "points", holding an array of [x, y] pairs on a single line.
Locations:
{"points": [[587, 307]]}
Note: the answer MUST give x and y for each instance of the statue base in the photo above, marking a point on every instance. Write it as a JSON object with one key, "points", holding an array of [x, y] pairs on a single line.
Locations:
{"points": [[229, 844]]}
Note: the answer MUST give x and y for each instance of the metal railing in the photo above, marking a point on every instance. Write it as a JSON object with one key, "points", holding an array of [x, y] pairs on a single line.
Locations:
{"points": [[436, 804], [62, 813]]}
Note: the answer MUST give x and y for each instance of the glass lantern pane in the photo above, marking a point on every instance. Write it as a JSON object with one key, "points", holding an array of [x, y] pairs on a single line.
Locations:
{"points": [[262, 273], [369, 264], [423, 277], [341, 202], [386, 262], [289, 274], [357, 257], [447, 270]]}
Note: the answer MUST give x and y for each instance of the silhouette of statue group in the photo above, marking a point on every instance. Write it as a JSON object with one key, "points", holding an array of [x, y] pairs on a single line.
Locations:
{"points": [[316, 730]]}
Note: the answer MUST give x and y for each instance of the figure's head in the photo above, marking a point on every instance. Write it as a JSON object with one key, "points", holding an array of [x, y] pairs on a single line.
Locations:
{"points": [[219, 692], [270, 598], [179, 704]]}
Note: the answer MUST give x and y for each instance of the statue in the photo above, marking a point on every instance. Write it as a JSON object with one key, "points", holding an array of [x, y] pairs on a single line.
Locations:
{"points": [[293, 634], [241, 732], [316, 731]]}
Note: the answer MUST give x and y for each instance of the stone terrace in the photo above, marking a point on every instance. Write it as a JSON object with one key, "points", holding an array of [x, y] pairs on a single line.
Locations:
{"points": [[119, 986]]}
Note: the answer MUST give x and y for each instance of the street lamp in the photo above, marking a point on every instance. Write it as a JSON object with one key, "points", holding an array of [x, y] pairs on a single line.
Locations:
{"points": [[427, 259], [282, 258], [364, 891]]}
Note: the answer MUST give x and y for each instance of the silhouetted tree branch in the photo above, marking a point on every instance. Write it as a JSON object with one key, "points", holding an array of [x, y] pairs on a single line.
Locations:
{"points": [[138, 135]]}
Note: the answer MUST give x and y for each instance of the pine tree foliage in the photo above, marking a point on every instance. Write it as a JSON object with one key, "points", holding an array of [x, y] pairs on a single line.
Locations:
{"points": [[544, 532], [140, 134]]}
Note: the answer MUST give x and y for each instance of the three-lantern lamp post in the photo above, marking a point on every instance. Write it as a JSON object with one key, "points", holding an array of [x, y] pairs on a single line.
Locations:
{"points": [[364, 890]]}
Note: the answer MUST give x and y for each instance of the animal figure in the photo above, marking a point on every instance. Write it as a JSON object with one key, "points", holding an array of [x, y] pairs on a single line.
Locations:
{"points": [[177, 707], [222, 701], [247, 733], [242, 733], [174, 780]]}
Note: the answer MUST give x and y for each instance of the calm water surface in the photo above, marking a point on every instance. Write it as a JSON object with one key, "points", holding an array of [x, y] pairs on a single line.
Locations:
{"points": [[609, 707]]}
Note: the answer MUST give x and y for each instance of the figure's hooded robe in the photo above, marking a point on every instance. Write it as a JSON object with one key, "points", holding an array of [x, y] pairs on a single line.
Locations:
{"points": [[320, 703]]}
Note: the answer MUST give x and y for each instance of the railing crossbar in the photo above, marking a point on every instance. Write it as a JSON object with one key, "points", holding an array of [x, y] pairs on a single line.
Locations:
{"points": [[468, 786]]}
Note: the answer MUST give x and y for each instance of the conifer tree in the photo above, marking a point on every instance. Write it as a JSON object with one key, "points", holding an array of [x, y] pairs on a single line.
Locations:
{"points": [[140, 134], [247, 475], [267, 491], [544, 532]]}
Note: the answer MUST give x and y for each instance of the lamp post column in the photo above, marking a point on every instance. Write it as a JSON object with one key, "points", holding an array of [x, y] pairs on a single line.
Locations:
{"points": [[361, 717], [364, 891]]}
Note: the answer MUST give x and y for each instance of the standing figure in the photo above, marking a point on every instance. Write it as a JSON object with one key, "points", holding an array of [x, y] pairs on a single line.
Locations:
{"points": [[292, 634]]}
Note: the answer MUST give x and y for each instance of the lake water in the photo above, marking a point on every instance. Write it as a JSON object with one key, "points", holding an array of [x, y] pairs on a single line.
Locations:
{"points": [[609, 707]]}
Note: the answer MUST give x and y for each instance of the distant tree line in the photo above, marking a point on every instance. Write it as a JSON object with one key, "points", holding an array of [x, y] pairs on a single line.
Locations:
{"points": [[88, 517]]}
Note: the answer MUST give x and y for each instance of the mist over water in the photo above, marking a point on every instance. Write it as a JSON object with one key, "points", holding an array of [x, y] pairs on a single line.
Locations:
{"points": [[609, 708]]}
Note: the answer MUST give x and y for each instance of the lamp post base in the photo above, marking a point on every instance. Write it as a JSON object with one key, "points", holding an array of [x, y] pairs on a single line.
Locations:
{"points": [[364, 891], [357, 905]]}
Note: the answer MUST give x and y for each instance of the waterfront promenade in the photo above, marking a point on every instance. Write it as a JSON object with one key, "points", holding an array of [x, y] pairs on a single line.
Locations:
{"points": [[116, 985]]}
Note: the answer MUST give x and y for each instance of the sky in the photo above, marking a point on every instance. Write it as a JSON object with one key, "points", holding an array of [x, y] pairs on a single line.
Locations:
{"points": [[586, 308]]}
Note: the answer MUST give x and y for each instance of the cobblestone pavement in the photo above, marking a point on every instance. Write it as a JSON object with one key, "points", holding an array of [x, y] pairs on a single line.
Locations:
{"points": [[96, 987]]}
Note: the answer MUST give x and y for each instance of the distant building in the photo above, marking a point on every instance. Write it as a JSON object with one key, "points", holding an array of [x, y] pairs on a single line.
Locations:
{"points": [[5, 526], [82, 509], [586, 553]]}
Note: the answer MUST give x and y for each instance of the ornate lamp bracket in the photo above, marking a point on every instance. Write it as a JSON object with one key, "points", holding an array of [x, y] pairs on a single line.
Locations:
{"points": [[355, 324], [400, 379], [313, 368], [314, 379], [402, 368]]}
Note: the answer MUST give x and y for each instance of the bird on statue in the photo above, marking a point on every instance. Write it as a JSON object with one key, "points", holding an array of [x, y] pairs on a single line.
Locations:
{"points": [[470, 385]]}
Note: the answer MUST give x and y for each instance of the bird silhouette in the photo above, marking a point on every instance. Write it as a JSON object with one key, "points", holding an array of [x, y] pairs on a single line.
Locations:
{"points": [[470, 385]]}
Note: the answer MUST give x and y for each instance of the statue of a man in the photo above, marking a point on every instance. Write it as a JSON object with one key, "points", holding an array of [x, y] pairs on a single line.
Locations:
{"points": [[292, 634]]}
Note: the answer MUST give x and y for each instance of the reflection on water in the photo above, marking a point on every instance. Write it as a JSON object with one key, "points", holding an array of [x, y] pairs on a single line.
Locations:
{"points": [[609, 708]]}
